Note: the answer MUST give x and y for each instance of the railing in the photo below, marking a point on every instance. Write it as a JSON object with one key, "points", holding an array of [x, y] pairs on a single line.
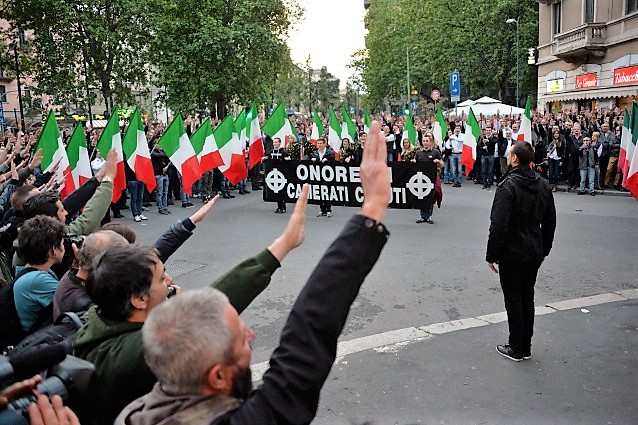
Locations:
{"points": [[580, 39]]}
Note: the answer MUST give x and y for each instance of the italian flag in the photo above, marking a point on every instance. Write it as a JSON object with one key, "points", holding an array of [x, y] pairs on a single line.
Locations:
{"points": [[255, 143], [50, 141], [525, 131], [334, 132], [135, 147], [230, 148], [625, 138], [630, 167], [440, 127], [205, 147], [79, 157], [472, 134], [180, 151], [348, 129], [240, 128], [111, 139], [408, 131], [317, 128], [278, 125], [367, 122]]}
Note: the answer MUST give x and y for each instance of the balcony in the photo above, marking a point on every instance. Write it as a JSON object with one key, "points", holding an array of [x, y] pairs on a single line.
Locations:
{"points": [[580, 42]]}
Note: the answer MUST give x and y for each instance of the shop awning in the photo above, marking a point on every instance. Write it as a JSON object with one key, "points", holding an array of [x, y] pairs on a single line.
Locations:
{"points": [[597, 93]]}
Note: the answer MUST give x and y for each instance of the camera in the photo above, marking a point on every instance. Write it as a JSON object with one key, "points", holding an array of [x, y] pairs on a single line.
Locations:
{"points": [[72, 238], [172, 291], [70, 379]]}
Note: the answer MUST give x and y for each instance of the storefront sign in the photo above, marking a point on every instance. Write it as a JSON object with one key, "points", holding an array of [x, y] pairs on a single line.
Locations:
{"points": [[586, 81], [555, 85], [340, 184], [627, 75]]}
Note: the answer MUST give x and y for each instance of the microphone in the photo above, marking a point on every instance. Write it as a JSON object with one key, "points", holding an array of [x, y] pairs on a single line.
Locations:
{"points": [[29, 364]]}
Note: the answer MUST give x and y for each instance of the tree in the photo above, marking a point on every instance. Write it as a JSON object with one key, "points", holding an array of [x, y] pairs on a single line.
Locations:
{"points": [[325, 91], [75, 44], [218, 52]]}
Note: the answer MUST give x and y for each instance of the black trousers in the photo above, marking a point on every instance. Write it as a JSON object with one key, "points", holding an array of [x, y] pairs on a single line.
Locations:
{"points": [[325, 207], [517, 283]]}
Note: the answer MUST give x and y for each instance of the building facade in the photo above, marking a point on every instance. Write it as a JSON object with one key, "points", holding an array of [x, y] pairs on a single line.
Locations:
{"points": [[587, 54]]}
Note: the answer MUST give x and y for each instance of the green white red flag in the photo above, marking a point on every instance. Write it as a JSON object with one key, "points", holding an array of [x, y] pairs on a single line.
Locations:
{"points": [[525, 132], [135, 147], [112, 139], [240, 128], [278, 125], [205, 147], [472, 134], [409, 132], [255, 143], [625, 138], [50, 141], [180, 151], [230, 148], [334, 132], [78, 155], [439, 131], [348, 129], [317, 128], [630, 170]]}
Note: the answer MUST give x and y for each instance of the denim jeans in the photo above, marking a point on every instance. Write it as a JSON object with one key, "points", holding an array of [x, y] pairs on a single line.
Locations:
{"points": [[426, 214], [487, 167], [161, 196], [553, 170], [587, 176], [183, 195], [136, 190], [457, 170]]}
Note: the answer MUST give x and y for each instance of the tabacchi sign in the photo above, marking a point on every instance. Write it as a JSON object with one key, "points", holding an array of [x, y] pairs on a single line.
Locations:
{"points": [[585, 81], [627, 75]]}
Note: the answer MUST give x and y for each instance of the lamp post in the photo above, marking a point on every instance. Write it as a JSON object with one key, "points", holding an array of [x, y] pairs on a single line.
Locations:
{"points": [[17, 63], [514, 21], [407, 61]]}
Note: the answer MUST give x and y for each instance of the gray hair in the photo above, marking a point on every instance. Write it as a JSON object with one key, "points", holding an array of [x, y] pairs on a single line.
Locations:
{"points": [[96, 243], [185, 336]]}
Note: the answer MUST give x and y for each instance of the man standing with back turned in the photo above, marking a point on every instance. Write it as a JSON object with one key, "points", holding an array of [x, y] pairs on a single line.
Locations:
{"points": [[522, 226]]}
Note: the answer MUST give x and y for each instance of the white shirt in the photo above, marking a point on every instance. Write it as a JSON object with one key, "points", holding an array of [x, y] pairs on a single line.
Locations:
{"points": [[457, 142]]}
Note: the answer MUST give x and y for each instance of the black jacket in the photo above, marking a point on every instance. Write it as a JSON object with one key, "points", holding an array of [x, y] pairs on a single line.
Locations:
{"points": [[523, 219]]}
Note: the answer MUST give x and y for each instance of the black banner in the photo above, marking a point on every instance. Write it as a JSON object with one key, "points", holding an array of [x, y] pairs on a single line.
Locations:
{"points": [[340, 184]]}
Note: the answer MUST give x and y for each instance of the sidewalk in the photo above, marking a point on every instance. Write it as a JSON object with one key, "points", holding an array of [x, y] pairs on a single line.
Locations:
{"points": [[584, 370]]}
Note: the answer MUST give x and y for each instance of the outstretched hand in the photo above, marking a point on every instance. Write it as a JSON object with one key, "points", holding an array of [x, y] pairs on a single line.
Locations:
{"points": [[295, 231], [374, 175], [201, 213]]}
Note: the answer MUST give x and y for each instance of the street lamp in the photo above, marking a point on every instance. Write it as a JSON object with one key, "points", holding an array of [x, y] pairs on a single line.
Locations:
{"points": [[514, 21], [17, 63]]}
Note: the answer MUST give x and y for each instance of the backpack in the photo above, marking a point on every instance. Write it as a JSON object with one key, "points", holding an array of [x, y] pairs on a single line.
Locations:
{"points": [[11, 331], [61, 331]]}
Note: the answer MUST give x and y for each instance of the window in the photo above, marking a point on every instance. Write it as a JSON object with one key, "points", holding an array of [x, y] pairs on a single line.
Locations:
{"points": [[556, 16], [589, 11], [632, 6], [3, 94]]}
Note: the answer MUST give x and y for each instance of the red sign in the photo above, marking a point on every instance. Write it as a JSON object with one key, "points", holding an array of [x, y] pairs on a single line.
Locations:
{"points": [[586, 81], [627, 75], [435, 95]]}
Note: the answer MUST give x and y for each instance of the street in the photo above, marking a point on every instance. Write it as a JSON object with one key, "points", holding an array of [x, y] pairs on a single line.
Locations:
{"points": [[427, 274]]}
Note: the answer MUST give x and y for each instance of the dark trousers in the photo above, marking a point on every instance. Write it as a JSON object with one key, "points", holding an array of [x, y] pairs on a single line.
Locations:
{"points": [[517, 283], [573, 173], [554, 170], [325, 207]]}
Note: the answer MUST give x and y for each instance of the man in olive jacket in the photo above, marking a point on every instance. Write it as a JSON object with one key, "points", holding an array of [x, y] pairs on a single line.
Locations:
{"points": [[125, 294], [523, 221]]}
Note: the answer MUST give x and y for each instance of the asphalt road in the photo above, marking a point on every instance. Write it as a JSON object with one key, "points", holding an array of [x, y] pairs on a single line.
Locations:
{"points": [[427, 274]]}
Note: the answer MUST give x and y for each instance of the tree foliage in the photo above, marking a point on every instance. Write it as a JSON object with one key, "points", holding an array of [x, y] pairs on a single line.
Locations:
{"points": [[220, 51], [441, 35], [73, 43]]}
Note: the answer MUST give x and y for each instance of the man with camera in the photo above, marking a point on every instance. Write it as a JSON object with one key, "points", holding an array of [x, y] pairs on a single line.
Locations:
{"points": [[199, 348], [489, 140]]}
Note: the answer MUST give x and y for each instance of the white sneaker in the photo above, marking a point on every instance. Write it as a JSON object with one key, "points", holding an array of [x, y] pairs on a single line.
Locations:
{"points": [[143, 217], [137, 218], [329, 214]]}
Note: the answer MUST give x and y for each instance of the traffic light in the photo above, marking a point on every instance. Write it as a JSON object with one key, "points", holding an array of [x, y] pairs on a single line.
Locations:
{"points": [[531, 56]]}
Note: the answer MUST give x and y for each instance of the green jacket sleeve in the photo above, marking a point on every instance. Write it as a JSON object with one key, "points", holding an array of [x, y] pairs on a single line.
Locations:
{"points": [[94, 210], [247, 279]]}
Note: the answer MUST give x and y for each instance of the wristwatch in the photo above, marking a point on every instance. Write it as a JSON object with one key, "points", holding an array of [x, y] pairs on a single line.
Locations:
{"points": [[107, 179]]}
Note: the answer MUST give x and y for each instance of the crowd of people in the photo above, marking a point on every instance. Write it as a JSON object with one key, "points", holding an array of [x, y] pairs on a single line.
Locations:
{"points": [[147, 367]]}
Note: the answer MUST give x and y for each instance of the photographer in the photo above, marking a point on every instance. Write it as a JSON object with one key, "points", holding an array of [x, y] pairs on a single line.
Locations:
{"points": [[486, 146]]}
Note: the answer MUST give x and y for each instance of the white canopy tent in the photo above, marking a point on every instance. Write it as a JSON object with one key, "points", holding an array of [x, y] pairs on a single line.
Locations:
{"points": [[488, 107]]}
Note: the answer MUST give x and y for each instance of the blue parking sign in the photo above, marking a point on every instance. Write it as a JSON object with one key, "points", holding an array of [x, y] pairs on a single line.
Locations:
{"points": [[455, 86]]}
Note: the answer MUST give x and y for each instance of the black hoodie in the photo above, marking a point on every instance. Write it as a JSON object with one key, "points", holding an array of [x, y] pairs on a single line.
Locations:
{"points": [[523, 219]]}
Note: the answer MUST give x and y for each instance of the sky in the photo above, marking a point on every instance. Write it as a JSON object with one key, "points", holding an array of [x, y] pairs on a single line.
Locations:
{"points": [[330, 32]]}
